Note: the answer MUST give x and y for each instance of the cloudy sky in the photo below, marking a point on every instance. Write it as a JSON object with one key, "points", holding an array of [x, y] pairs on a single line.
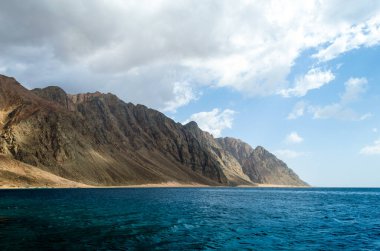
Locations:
{"points": [[301, 78]]}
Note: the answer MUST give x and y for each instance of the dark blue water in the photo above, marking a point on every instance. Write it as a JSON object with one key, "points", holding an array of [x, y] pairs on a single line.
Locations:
{"points": [[190, 218]]}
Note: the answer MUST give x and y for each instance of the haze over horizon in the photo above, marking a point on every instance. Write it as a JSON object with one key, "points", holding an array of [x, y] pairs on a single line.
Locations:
{"points": [[298, 77]]}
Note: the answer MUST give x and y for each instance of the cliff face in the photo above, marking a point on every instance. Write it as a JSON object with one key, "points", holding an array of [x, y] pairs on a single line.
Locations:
{"points": [[97, 139], [260, 165]]}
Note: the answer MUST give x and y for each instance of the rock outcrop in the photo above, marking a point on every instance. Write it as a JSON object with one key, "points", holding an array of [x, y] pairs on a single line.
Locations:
{"points": [[97, 139], [259, 165]]}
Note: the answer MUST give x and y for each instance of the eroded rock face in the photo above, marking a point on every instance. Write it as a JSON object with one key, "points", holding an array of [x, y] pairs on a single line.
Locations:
{"points": [[260, 165], [97, 139]]}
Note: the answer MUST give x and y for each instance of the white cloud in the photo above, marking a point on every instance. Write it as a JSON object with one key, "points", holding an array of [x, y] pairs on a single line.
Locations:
{"points": [[183, 94], [364, 34], [139, 49], [214, 121], [337, 111], [298, 110], [373, 149], [314, 79], [288, 154], [293, 138], [365, 116], [354, 89]]}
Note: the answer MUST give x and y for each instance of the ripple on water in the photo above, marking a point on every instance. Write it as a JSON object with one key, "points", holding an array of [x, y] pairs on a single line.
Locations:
{"points": [[199, 218]]}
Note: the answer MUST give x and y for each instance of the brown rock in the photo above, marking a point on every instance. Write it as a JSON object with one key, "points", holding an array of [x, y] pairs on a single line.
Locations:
{"points": [[97, 139]]}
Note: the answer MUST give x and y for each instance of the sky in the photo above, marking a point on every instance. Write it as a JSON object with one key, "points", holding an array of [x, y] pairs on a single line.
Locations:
{"points": [[301, 78]]}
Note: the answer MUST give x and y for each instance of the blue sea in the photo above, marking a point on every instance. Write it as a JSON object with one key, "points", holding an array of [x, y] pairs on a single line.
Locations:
{"points": [[190, 219]]}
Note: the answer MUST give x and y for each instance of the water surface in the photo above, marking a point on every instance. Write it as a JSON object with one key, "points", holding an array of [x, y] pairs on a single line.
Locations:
{"points": [[190, 218]]}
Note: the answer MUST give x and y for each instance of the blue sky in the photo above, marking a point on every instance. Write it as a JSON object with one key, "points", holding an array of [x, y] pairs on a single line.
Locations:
{"points": [[328, 151], [300, 78]]}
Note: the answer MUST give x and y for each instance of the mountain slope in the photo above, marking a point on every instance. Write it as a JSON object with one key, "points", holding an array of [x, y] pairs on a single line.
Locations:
{"points": [[260, 165], [14, 173], [97, 139]]}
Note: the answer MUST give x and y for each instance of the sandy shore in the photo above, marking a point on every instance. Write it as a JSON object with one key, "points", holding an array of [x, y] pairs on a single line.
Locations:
{"points": [[284, 186], [158, 185], [166, 184], [15, 174]]}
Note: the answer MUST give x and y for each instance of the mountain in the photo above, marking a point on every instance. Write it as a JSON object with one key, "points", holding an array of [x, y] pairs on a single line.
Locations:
{"points": [[258, 164], [97, 139], [14, 173]]}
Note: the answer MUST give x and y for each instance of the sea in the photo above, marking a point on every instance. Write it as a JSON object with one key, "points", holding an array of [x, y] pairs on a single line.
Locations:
{"points": [[190, 219]]}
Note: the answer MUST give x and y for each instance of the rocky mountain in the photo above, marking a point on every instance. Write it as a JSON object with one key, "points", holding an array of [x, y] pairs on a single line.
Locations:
{"points": [[258, 164], [97, 139]]}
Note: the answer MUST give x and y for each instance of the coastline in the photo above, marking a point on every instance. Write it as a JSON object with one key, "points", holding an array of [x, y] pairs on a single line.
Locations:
{"points": [[152, 185]]}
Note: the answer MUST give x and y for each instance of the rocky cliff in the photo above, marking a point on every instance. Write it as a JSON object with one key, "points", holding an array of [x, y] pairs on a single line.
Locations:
{"points": [[259, 165], [97, 139]]}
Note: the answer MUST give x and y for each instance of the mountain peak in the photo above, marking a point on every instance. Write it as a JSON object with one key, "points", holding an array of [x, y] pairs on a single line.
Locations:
{"points": [[83, 97], [236, 146], [192, 124], [260, 165], [97, 139], [261, 149], [12, 93], [2, 77], [69, 101], [52, 93], [8, 82]]}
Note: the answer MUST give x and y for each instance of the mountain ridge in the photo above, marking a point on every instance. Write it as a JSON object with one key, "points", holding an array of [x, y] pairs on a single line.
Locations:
{"points": [[99, 140]]}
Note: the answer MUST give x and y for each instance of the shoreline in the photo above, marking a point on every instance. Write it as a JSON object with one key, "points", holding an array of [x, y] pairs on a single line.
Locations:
{"points": [[155, 185]]}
